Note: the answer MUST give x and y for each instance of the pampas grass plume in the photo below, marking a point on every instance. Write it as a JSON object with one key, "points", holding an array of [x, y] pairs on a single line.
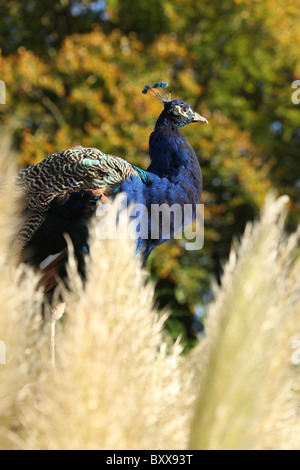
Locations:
{"points": [[118, 384]]}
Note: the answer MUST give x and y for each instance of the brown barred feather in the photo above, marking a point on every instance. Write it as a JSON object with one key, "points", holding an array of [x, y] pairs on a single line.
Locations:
{"points": [[63, 173]]}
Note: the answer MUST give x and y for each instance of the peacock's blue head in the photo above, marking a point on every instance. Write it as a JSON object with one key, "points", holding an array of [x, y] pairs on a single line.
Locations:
{"points": [[181, 113], [176, 113]]}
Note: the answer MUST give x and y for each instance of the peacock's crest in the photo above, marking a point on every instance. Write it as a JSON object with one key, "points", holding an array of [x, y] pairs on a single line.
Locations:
{"points": [[158, 95]]}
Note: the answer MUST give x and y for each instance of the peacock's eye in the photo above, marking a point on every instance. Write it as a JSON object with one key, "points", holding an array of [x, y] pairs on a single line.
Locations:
{"points": [[185, 109]]}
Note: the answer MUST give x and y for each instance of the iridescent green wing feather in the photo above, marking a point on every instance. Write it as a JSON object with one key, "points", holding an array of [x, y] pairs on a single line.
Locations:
{"points": [[63, 173], [73, 170]]}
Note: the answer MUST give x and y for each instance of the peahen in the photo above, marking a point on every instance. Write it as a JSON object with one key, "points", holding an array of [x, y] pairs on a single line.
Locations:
{"points": [[63, 191]]}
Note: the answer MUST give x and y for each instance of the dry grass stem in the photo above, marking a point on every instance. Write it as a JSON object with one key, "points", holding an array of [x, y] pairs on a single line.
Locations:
{"points": [[117, 384]]}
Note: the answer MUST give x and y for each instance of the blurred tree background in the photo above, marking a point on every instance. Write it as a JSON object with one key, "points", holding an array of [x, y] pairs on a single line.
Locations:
{"points": [[74, 71]]}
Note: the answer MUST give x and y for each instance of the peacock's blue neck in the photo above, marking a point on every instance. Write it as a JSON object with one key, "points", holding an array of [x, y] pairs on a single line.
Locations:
{"points": [[164, 121], [171, 153]]}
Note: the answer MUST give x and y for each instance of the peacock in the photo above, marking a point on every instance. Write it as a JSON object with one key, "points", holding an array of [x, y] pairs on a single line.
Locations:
{"points": [[61, 194]]}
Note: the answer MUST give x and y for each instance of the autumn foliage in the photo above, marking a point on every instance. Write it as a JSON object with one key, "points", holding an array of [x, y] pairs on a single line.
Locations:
{"points": [[74, 73]]}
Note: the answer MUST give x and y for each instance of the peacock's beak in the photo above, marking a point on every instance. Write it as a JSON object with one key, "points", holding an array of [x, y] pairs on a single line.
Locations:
{"points": [[198, 118]]}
